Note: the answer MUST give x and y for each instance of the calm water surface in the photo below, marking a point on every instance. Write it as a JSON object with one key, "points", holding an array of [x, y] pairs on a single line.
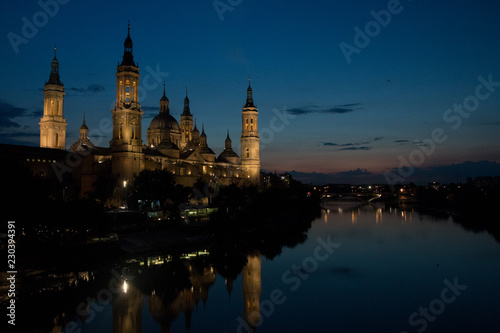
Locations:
{"points": [[361, 269]]}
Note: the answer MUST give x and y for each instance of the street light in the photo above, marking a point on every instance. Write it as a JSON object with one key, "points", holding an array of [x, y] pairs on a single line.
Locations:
{"points": [[125, 186]]}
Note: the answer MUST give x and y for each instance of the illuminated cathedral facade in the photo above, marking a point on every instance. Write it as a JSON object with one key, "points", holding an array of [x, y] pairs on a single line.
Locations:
{"points": [[176, 147]]}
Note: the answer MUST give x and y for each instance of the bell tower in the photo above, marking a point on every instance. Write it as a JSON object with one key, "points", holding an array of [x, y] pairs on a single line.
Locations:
{"points": [[250, 152], [126, 142], [186, 123], [52, 124], [252, 286]]}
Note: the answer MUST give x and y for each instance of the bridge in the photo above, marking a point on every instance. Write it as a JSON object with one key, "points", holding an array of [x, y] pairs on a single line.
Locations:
{"points": [[367, 197]]}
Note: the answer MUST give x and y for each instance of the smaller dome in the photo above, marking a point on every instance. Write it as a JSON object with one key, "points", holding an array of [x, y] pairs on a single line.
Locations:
{"points": [[205, 150], [164, 121], [228, 153]]}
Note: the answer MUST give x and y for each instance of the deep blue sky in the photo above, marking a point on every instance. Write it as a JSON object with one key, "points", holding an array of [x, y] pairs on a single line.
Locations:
{"points": [[363, 114]]}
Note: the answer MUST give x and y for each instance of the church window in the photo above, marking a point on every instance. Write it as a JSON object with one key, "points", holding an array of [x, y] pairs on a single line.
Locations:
{"points": [[51, 107], [57, 139], [248, 152], [120, 131], [133, 131]]}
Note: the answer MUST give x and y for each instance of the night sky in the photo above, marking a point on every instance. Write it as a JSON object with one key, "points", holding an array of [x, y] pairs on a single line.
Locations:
{"points": [[357, 115]]}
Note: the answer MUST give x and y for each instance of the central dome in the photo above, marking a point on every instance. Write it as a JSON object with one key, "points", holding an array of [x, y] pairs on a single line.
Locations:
{"points": [[164, 121]]}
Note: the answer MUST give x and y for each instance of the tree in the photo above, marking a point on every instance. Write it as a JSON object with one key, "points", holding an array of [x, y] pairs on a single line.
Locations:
{"points": [[155, 185], [104, 187]]}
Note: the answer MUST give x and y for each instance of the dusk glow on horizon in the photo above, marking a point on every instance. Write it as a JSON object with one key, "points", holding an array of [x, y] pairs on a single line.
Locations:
{"points": [[355, 89]]}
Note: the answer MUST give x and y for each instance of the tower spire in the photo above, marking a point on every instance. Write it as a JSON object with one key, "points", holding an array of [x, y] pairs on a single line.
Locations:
{"points": [[54, 71], [164, 102], [249, 102], [186, 111], [128, 45]]}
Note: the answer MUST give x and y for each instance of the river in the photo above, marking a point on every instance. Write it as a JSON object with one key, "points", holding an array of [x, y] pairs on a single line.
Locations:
{"points": [[355, 268]]}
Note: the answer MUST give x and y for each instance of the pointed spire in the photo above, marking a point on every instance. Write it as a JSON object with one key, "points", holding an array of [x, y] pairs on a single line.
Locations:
{"points": [[186, 111], [84, 125], [164, 102], [203, 129], [55, 51], [228, 141], [164, 98], [128, 57], [54, 71], [249, 102]]}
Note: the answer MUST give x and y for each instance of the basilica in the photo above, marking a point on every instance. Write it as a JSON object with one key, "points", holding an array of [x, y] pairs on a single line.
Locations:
{"points": [[176, 146]]}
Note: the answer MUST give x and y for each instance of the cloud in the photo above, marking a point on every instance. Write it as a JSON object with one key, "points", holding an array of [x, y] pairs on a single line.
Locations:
{"points": [[401, 141], [378, 138], [150, 111], [339, 109], [356, 148], [345, 144], [449, 173], [20, 138], [8, 112], [90, 89]]}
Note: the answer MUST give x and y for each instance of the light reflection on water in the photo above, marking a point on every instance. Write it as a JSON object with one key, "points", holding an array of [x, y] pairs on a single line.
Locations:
{"points": [[389, 264]]}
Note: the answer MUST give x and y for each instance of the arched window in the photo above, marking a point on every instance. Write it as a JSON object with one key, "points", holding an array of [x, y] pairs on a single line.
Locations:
{"points": [[120, 131], [248, 152]]}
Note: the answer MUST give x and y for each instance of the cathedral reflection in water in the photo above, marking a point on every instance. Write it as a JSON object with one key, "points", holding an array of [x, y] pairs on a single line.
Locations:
{"points": [[175, 286]]}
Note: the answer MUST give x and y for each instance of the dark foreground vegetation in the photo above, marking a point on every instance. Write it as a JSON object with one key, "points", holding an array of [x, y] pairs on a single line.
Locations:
{"points": [[54, 225]]}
